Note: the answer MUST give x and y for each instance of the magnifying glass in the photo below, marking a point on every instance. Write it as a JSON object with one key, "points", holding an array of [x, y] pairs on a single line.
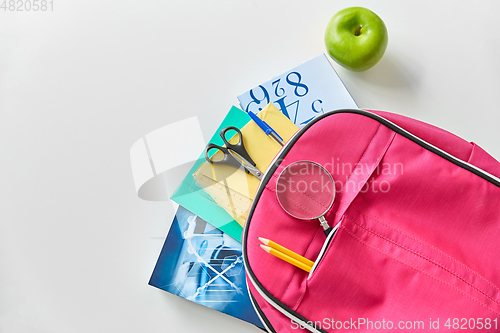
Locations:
{"points": [[306, 191]]}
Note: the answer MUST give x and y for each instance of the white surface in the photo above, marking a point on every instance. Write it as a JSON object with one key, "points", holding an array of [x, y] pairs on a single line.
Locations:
{"points": [[188, 132], [159, 151], [79, 85]]}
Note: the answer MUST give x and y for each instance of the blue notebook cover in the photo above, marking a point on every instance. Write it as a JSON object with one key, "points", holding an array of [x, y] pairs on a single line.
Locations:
{"points": [[204, 265], [301, 93]]}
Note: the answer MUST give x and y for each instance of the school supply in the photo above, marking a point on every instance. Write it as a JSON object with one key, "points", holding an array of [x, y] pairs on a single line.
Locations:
{"points": [[233, 154], [204, 265], [285, 251], [266, 128], [233, 189], [193, 197], [306, 191], [286, 258], [301, 93], [417, 222]]}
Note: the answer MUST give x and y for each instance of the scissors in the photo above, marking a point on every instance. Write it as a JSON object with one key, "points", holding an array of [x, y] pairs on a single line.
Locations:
{"points": [[234, 154]]}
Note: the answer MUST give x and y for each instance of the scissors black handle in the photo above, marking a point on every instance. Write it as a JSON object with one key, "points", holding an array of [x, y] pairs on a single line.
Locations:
{"points": [[238, 147], [227, 159]]}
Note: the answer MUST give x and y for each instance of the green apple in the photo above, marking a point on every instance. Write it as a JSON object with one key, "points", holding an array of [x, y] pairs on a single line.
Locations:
{"points": [[356, 38]]}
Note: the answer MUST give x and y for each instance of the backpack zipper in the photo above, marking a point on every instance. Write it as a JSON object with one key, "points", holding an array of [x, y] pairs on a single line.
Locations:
{"points": [[325, 246]]}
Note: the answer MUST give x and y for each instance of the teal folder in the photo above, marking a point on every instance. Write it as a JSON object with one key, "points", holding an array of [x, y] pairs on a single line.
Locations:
{"points": [[192, 197]]}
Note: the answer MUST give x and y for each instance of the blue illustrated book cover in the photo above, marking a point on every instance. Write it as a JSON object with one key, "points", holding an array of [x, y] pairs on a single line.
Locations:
{"points": [[204, 265], [301, 93]]}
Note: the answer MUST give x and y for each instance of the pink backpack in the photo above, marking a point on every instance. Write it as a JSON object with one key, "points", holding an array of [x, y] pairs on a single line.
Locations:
{"points": [[417, 244]]}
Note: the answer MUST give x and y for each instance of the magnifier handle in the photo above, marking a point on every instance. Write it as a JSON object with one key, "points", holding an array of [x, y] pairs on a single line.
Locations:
{"points": [[324, 224]]}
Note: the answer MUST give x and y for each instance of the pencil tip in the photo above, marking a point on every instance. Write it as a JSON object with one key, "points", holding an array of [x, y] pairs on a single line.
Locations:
{"points": [[264, 240], [265, 248]]}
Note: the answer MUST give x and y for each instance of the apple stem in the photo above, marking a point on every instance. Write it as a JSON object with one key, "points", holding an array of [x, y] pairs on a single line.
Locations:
{"points": [[358, 31]]}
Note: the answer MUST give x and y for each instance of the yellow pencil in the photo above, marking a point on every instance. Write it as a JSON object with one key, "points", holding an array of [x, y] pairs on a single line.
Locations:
{"points": [[286, 258], [286, 251]]}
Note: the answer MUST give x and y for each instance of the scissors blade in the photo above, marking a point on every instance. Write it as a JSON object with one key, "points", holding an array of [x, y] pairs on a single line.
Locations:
{"points": [[254, 171], [245, 164]]}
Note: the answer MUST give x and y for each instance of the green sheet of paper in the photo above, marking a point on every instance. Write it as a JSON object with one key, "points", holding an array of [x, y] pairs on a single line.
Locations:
{"points": [[200, 203]]}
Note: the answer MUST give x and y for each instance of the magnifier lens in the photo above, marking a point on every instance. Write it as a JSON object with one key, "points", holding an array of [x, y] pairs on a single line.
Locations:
{"points": [[305, 190]]}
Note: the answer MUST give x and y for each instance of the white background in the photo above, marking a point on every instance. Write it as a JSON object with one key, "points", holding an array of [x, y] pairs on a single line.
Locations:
{"points": [[79, 85]]}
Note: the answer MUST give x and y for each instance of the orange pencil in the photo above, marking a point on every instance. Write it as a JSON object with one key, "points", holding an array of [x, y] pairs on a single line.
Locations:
{"points": [[286, 258], [286, 251]]}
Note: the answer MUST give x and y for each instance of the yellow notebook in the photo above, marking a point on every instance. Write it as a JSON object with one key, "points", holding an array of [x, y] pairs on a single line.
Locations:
{"points": [[233, 189]]}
